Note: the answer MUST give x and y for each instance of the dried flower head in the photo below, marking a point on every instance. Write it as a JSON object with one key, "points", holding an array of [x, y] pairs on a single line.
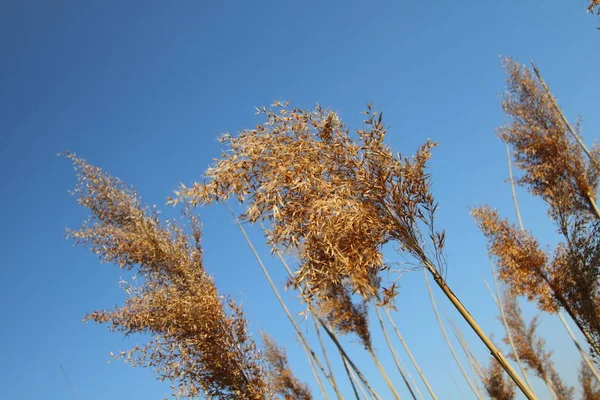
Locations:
{"points": [[522, 265], [340, 198], [589, 384], [531, 348], [576, 278], [554, 164], [496, 386], [281, 379], [199, 339]]}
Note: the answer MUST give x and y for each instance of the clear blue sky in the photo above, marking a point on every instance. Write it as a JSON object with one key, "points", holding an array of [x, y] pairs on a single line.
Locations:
{"points": [[142, 88]]}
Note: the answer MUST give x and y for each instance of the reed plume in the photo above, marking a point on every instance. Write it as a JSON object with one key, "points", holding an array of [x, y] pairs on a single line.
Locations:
{"points": [[546, 148], [589, 384], [281, 379], [496, 386], [340, 198], [531, 348], [198, 338]]}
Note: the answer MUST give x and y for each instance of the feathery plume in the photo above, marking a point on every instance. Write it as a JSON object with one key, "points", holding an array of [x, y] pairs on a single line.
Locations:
{"points": [[198, 338]]}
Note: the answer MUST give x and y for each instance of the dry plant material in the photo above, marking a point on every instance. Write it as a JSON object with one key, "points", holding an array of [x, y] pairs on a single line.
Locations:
{"points": [[589, 384], [199, 339], [531, 348], [571, 279], [594, 6], [496, 386], [522, 265], [281, 379], [335, 198], [554, 164]]}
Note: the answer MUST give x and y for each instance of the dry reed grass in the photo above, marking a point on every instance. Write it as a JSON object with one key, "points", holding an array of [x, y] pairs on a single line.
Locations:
{"points": [[495, 383], [281, 379], [198, 338]]}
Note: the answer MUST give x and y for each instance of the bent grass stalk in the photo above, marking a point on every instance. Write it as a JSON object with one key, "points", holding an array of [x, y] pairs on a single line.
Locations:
{"points": [[477, 329], [443, 329]]}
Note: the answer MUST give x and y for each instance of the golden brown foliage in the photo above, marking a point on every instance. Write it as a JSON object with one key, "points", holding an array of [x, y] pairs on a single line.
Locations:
{"points": [[589, 384], [530, 348], [199, 340], [341, 199], [555, 166], [570, 279], [576, 277], [496, 386], [522, 265], [594, 5], [281, 379]]}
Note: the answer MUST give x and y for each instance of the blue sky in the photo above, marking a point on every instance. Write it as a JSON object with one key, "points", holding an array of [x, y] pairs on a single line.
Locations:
{"points": [[143, 89]]}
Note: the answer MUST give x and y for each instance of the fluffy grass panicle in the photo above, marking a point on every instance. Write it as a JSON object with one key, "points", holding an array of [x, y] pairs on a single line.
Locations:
{"points": [[199, 339]]}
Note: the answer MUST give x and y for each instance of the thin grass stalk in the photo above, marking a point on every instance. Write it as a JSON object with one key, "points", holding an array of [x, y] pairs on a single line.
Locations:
{"points": [[280, 299], [410, 355], [68, 381], [473, 363], [443, 329], [394, 355], [350, 379], [315, 374], [586, 357], [384, 375], [495, 352], [331, 335], [512, 187], [347, 358], [355, 381], [317, 330], [411, 379], [585, 149]]}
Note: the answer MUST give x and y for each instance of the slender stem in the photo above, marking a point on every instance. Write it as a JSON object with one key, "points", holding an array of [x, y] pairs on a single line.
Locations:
{"points": [[476, 370], [345, 355], [287, 312], [512, 187], [410, 355], [384, 375], [356, 381], [586, 358], [393, 351], [443, 329], [477, 329], [350, 378], [316, 374], [317, 330]]}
